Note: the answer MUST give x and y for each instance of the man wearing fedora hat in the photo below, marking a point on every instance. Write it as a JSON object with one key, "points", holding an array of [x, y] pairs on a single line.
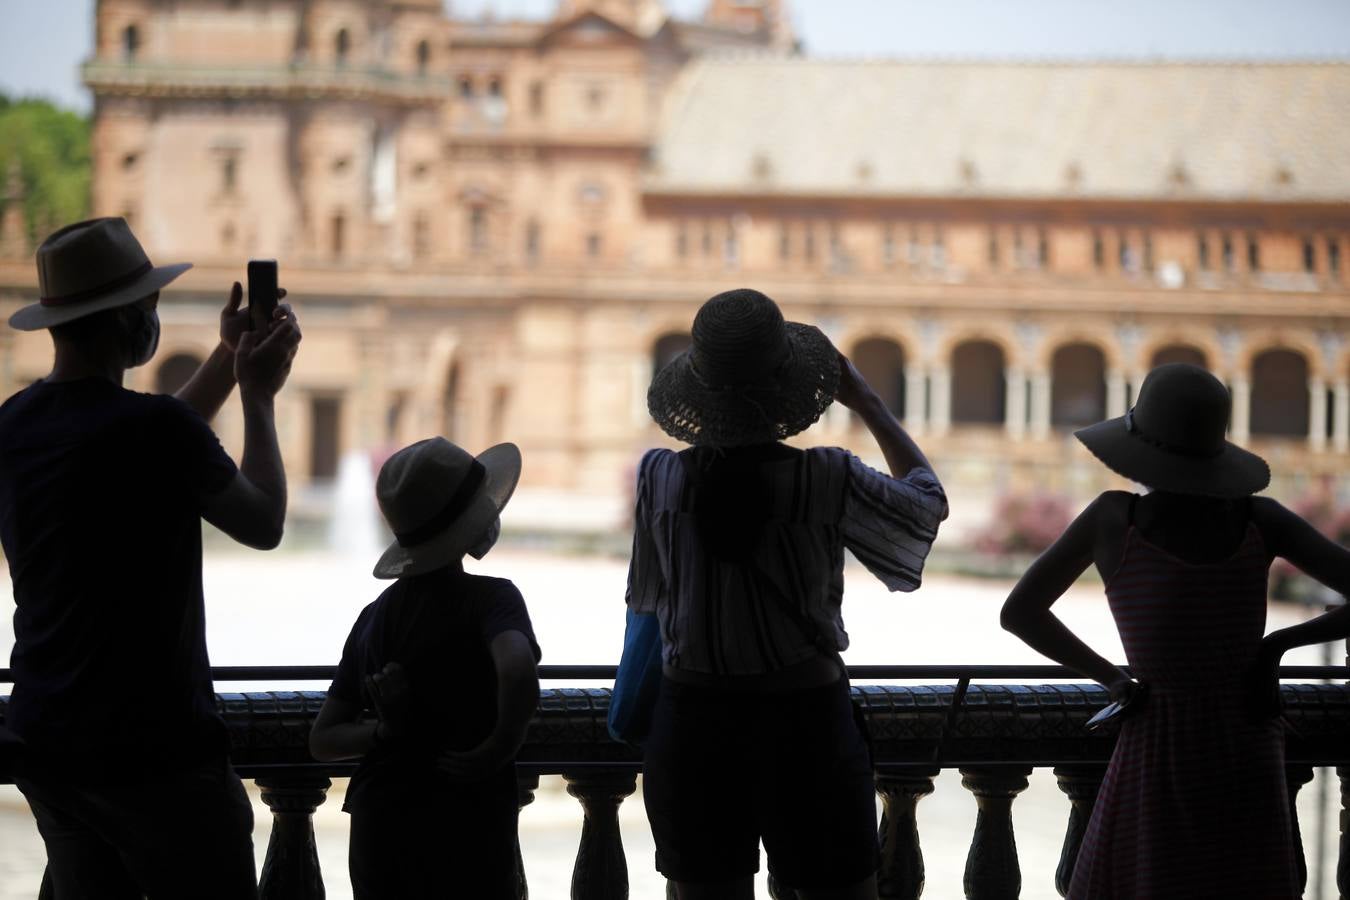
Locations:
{"points": [[102, 492]]}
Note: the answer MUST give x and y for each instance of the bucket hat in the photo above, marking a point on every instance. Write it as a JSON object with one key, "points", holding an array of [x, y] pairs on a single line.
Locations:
{"points": [[1173, 438], [88, 267], [749, 377], [439, 500]]}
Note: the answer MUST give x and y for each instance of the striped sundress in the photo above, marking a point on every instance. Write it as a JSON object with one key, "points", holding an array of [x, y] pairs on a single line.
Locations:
{"points": [[1194, 804]]}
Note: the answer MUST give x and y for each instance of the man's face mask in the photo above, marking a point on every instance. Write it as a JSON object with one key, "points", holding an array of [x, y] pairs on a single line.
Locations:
{"points": [[140, 331], [484, 544]]}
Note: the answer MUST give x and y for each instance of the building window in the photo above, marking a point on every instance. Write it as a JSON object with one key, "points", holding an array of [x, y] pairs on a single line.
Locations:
{"points": [[992, 250], [421, 236], [338, 236], [591, 193], [478, 235], [731, 246], [1334, 257], [888, 245], [494, 87], [595, 98], [1253, 253], [342, 46], [1202, 251], [784, 242], [1229, 259], [227, 235], [465, 87], [129, 161], [706, 240], [229, 174], [1309, 256], [423, 57], [681, 241], [913, 249], [131, 42], [537, 99], [939, 249], [1148, 252], [593, 245], [1042, 248], [532, 241], [1098, 251], [1125, 254], [809, 243]]}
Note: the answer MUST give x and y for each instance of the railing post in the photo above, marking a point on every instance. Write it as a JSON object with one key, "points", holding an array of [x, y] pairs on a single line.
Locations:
{"points": [[526, 785], [1296, 777], [601, 872], [1343, 859], [902, 875], [1081, 784], [291, 869], [992, 872]]}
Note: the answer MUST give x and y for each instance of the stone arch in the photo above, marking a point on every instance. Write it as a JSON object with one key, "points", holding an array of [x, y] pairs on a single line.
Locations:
{"points": [[131, 42], [452, 407], [1304, 345], [342, 46], [422, 56], [979, 384], [1178, 352], [1077, 385], [882, 361], [1280, 400], [1112, 357], [175, 370]]}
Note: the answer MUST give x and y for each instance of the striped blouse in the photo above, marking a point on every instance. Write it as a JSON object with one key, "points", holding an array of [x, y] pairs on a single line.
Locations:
{"points": [[727, 617]]}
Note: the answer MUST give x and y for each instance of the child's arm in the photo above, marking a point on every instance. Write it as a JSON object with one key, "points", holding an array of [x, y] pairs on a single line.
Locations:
{"points": [[517, 699], [1026, 613], [1289, 536]]}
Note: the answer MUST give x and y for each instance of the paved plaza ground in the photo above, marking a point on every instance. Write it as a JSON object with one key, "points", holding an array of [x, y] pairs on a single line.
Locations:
{"points": [[297, 608]]}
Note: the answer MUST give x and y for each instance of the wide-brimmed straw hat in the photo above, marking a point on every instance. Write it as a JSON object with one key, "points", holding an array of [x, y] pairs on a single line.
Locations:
{"points": [[1173, 438], [88, 267], [749, 377], [439, 500]]}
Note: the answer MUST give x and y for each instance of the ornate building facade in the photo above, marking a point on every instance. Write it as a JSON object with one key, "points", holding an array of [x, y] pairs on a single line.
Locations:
{"points": [[495, 229]]}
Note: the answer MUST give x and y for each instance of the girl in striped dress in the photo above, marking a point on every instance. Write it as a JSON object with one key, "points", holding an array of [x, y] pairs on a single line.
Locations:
{"points": [[1194, 803]]}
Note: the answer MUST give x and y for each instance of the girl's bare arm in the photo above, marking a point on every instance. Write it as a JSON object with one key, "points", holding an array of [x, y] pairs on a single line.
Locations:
{"points": [[1026, 613], [1288, 536]]}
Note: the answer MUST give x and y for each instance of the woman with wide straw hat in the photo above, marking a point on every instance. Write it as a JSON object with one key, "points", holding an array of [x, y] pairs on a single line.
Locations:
{"points": [[436, 687], [738, 549], [1194, 803]]}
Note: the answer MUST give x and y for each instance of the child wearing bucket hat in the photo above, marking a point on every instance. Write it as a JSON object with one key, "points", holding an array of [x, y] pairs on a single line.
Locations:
{"points": [[738, 551], [436, 687], [1194, 803]]}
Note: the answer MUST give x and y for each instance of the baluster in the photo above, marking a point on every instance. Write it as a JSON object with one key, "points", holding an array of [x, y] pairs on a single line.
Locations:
{"points": [[526, 785], [1343, 859], [1296, 777], [1081, 784], [601, 872], [902, 875], [780, 891], [992, 872], [291, 869]]}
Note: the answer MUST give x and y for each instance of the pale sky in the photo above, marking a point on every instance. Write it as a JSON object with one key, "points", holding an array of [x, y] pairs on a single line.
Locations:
{"points": [[43, 41]]}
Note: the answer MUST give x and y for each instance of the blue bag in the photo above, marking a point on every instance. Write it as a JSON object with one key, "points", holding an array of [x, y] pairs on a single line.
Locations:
{"points": [[637, 681]]}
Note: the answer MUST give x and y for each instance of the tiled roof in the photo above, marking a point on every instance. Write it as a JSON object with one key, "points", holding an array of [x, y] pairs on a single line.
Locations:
{"points": [[1213, 131]]}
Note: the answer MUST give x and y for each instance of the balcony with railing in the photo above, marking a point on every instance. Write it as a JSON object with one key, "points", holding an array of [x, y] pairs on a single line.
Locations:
{"points": [[994, 734]]}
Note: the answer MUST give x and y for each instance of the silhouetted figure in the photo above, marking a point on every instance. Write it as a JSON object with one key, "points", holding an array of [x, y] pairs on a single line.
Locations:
{"points": [[1194, 803], [102, 493], [436, 687], [738, 548]]}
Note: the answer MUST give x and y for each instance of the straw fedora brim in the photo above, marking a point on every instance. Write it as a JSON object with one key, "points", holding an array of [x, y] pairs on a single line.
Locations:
{"points": [[696, 413], [502, 463], [1232, 474], [36, 317]]}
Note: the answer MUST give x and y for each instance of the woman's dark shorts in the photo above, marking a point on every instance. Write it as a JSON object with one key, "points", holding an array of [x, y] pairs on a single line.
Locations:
{"points": [[725, 769]]}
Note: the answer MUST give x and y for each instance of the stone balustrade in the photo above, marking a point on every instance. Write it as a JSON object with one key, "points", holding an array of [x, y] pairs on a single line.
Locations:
{"points": [[995, 737]]}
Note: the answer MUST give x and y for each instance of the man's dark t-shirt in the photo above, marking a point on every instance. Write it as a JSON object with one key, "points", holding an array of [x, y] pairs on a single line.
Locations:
{"points": [[438, 627], [101, 494]]}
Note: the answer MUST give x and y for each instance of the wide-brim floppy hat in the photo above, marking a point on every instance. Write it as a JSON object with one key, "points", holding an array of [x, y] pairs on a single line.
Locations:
{"points": [[88, 267], [749, 377], [439, 500], [1173, 438]]}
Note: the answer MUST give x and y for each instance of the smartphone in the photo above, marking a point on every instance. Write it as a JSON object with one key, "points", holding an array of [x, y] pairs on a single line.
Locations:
{"points": [[1112, 713], [262, 293]]}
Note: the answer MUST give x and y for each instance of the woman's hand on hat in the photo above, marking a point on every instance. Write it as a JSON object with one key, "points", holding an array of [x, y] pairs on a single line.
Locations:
{"points": [[853, 391], [234, 321], [262, 365]]}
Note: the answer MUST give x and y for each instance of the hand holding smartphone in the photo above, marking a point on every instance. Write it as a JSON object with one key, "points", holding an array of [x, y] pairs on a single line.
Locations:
{"points": [[262, 293], [1111, 715]]}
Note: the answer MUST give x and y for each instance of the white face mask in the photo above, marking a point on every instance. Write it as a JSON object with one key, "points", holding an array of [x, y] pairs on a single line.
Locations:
{"points": [[486, 542]]}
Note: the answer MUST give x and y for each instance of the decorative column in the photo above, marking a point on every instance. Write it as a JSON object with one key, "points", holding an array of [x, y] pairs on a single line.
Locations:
{"points": [[1317, 413], [992, 872], [916, 400], [1081, 784], [526, 785], [902, 875], [1296, 777], [1040, 405], [1241, 390], [1116, 399], [291, 869], [1015, 404], [940, 397], [1340, 419], [601, 871]]}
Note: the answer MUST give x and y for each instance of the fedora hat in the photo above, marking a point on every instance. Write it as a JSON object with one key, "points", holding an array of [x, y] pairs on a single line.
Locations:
{"points": [[748, 378], [439, 500], [88, 267], [1173, 438]]}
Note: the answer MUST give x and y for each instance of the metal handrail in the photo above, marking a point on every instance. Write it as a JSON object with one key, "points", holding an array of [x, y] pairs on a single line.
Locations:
{"points": [[606, 672]]}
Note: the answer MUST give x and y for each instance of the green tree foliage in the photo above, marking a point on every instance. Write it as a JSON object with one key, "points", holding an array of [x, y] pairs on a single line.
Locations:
{"points": [[50, 147]]}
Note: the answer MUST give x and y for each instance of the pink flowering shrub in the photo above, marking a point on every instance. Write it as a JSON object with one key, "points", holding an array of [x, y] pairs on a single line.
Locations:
{"points": [[1024, 524]]}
